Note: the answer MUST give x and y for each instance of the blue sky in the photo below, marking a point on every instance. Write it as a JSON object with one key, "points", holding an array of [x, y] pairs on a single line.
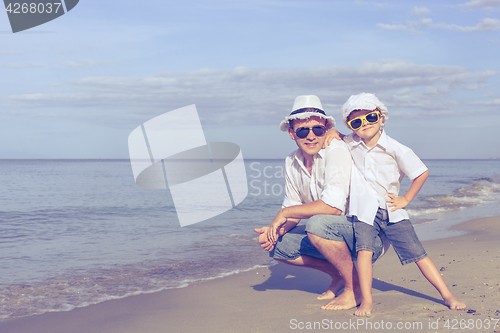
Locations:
{"points": [[77, 86]]}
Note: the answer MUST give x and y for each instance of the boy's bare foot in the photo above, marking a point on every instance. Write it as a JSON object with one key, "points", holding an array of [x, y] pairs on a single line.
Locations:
{"points": [[333, 289], [454, 304], [364, 310], [345, 301]]}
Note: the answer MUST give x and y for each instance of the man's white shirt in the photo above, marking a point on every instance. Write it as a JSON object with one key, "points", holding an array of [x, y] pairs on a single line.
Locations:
{"points": [[329, 179]]}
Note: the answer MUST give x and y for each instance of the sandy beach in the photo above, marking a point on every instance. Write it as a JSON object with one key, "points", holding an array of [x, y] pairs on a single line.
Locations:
{"points": [[282, 298]]}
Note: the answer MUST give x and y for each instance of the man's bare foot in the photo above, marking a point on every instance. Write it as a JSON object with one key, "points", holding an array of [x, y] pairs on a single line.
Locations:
{"points": [[454, 304], [364, 310], [327, 295], [333, 289], [345, 301]]}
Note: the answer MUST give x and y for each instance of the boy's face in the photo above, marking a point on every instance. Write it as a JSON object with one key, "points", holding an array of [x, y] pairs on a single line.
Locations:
{"points": [[368, 130], [311, 144]]}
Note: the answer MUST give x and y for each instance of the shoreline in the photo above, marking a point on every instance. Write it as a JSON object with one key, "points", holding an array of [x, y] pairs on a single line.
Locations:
{"points": [[237, 303]]}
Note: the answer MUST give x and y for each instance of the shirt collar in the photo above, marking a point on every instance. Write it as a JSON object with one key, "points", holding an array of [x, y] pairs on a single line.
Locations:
{"points": [[357, 140], [382, 141], [300, 158], [320, 153]]}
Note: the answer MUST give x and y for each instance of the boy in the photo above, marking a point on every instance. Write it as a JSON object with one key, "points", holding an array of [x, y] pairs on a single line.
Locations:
{"points": [[383, 162]]}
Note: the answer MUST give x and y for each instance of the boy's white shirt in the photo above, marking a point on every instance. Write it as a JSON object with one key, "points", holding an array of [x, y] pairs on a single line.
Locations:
{"points": [[329, 179], [363, 201], [379, 170]]}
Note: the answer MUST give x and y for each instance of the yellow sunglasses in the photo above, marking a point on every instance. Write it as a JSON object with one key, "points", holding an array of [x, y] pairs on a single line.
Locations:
{"points": [[370, 118]]}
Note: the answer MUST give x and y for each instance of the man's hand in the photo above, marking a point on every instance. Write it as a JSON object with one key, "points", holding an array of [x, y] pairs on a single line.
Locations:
{"points": [[274, 229], [330, 135], [263, 239], [396, 202]]}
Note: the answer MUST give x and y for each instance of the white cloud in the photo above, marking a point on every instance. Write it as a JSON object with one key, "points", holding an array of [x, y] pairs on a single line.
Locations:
{"points": [[487, 24], [87, 63], [365, 3], [419, 11], [394, 27], [248, 95], [411, 26], [494, 102], [481, 3]]}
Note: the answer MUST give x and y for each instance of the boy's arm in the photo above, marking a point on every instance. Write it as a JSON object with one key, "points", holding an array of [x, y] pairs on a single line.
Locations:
{"points": [[401, 202], [330, 135]]}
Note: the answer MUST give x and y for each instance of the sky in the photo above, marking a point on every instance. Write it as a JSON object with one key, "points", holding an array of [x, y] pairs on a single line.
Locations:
{"points": [[77, 86]]}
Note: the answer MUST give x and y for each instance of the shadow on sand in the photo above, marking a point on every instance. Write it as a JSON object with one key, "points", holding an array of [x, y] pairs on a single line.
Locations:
{"points": [[287, 277]]}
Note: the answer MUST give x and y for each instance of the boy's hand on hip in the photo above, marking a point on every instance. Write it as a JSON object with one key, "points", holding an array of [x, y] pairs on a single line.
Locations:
{"points": [[395, 202]]}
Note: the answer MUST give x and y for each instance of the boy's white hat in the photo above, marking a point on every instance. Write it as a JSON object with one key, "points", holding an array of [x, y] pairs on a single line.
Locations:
{"points": [[364, 101], [303, 102]]}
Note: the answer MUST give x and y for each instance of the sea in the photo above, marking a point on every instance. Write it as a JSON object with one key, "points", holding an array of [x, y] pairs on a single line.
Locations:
{"points": [[79, 232]]}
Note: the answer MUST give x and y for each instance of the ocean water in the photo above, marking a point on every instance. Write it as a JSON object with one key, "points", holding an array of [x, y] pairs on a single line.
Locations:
{"points": [[79, 232]]}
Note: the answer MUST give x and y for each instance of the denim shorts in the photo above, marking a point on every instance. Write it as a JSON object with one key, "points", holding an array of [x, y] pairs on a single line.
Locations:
{"points": [[401, 235], [295, 242]]}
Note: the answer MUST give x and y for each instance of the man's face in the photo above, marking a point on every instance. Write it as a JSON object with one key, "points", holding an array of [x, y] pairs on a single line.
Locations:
{"points": [[311, 144]]}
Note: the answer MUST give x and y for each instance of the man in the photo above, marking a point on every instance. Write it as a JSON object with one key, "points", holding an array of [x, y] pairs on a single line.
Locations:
{"points": [[317, 187]]}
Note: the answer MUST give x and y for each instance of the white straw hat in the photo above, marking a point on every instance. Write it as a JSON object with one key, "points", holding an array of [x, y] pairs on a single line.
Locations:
{"points": [[300, 111], [364, 101]]}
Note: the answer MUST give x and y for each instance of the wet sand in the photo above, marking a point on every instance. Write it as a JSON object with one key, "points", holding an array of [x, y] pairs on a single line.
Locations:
{"points": [[282, 298]]}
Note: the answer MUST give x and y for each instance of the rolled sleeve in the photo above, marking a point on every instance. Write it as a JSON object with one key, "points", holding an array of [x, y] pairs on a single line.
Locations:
{"points": [[334, 197], [337, 175], [288, 203]]}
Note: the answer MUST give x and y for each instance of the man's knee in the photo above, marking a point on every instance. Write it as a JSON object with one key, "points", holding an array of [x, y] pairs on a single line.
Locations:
{"points": [[313, 238], [327, 219], [331, 227]]}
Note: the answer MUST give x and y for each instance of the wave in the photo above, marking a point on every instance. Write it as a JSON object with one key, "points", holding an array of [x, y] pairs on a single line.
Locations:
{"points": [[65, 293], [481, 191]]}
